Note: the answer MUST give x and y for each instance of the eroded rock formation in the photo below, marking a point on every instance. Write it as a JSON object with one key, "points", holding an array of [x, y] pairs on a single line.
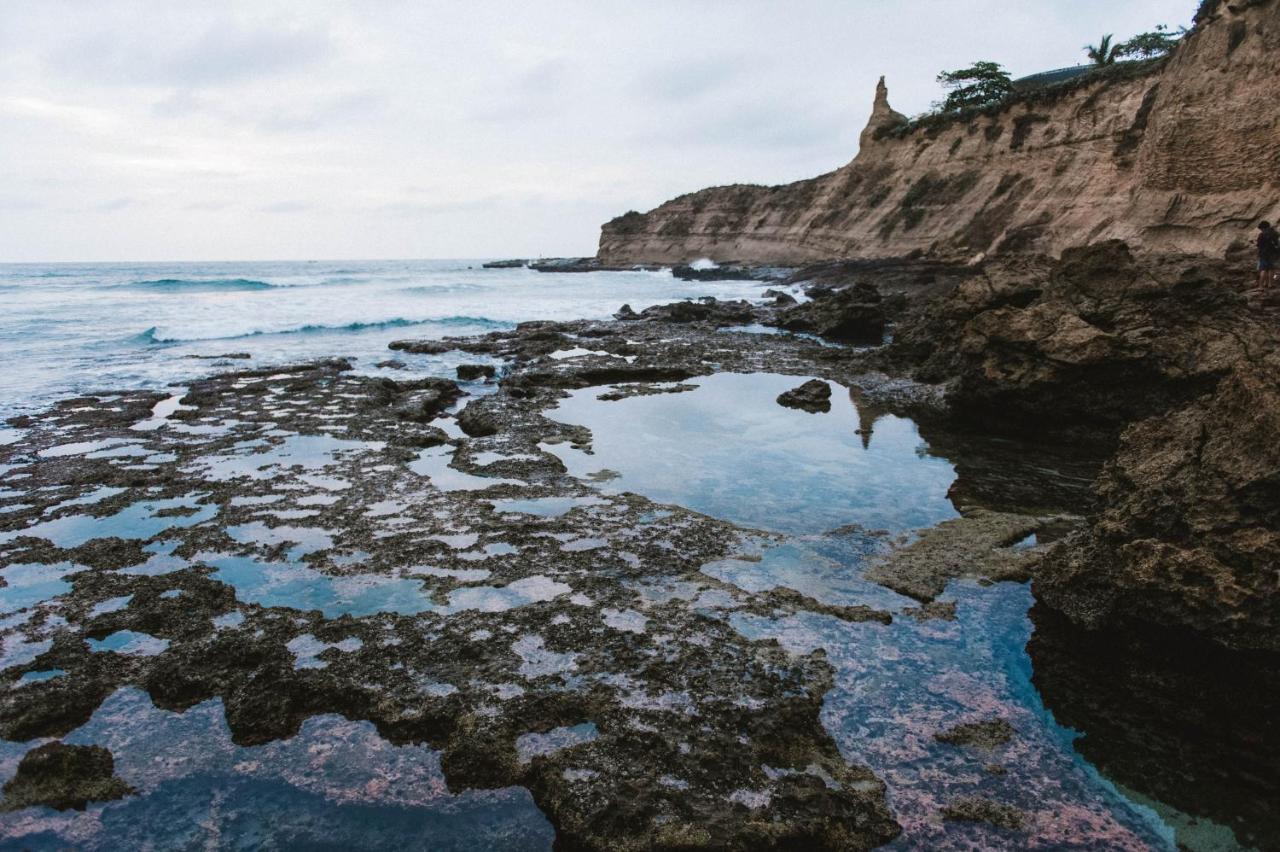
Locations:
{"points": [[1180, 156]]}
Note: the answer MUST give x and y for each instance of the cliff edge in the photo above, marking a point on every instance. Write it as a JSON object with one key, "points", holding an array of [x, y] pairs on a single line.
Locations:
{"points": [[1179, 156]]}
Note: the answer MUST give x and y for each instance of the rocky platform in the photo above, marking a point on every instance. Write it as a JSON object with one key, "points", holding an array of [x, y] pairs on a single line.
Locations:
{"points": [[307, 541]]}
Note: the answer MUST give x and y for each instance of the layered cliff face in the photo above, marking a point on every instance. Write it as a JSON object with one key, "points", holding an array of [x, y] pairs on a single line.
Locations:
{"points": [[1183, 157]]}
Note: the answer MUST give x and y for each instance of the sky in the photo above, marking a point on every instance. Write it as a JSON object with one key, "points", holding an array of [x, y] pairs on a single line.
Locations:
{"points": [[268, 129]]}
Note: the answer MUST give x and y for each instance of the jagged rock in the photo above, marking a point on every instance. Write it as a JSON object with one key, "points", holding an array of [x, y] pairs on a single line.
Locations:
{"points": [[980, 544], [626, 312], [812, 396], [854, 314], [780, 299], [64, 777], [1173, 717]]}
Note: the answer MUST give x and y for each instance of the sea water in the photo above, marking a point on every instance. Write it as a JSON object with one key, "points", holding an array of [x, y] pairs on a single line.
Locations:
{"points": [[77, 328]]}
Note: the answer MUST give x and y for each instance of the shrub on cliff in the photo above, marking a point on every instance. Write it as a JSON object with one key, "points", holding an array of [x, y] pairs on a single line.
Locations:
{"points": [[1150, 45], [982, 84]]}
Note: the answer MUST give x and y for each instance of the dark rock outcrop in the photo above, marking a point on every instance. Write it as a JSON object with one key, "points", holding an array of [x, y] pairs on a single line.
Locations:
{"points": [[812, 396], [854, 314], [1180, 720], [472, 372], [1082, 347], [704, 310]]}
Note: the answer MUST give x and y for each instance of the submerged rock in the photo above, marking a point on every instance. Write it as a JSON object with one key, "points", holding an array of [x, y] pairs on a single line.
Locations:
{"points": [[978, 809], [812, 396], [64, 777], [983, 735]]}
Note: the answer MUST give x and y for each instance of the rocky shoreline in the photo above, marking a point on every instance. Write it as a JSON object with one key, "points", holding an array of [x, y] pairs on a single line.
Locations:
{"points": [[1160, 368]]}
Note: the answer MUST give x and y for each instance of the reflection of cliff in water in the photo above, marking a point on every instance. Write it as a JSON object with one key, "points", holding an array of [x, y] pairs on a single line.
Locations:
{"points": [[1191, 726]]}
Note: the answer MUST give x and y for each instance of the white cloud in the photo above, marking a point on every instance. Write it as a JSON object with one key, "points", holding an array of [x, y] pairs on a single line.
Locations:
{"points": [[319, 128]]}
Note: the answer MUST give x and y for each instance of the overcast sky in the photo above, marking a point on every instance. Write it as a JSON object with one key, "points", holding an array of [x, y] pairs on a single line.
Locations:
{"points": [[455, 128]]}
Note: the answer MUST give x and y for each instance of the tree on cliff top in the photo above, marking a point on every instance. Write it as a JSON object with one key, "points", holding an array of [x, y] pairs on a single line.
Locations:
{"points": [[1103, 53], [982, 84]]}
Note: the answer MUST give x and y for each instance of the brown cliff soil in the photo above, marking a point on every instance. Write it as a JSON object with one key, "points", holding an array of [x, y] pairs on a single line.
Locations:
{"points": [[1180, 156]]}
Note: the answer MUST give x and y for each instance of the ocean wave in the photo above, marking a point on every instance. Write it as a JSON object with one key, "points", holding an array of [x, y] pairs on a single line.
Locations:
{"points": [[154, 336], [198, 285]]}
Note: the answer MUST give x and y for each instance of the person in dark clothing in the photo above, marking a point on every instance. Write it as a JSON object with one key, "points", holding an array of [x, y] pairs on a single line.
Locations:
{"points": [[1268, 255]]}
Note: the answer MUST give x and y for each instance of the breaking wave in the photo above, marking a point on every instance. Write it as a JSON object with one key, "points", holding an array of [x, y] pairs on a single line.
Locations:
{"points": [[155, 336], [195, 285]]}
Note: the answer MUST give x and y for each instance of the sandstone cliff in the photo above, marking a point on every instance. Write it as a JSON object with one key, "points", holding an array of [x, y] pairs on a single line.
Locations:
{"points": [[1180, 156]]}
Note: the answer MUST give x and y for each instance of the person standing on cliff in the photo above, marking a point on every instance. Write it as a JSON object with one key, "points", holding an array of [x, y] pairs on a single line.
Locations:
{"points": [[1268, 255]]}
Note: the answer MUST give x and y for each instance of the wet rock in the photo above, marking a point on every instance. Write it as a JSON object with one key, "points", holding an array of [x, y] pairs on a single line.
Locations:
{"points": [[627, 314], [391, 364], [854, 314], [707, 310], [507, 264], [980, 544], [421, 347], [978, 809], [64, 777], [780, 299], [730, 272], [787, 601], [986, 735], [472, 372], [812, 396], [423, 400], [478, 420]]}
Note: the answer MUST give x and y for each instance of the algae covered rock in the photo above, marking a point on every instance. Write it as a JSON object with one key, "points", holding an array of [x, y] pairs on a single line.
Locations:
{"points": [[63, 777]]}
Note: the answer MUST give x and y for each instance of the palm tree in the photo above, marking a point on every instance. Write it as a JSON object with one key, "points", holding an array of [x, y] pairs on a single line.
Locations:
{"points": [[1104, 53]]}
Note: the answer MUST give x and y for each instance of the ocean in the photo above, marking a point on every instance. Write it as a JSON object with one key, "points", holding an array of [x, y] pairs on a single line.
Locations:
{"points": [[76, 328]]}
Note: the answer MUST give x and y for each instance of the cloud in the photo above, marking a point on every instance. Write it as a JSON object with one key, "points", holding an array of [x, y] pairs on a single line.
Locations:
{"points": [[221, 52], [116, 204], [271, 114], [287, 207], [692, 80]]}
